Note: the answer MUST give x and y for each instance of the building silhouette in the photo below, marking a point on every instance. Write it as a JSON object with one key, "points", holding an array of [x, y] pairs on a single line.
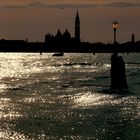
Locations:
{"points": [[62, 40], [77, 27], [66, 35]]}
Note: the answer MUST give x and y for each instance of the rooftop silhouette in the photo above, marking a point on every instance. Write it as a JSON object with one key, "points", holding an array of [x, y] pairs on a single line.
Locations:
{"points": [[64, 42]]}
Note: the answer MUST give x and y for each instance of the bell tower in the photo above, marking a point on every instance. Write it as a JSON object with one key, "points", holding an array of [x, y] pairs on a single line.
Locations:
{"points": [[77, 27]]}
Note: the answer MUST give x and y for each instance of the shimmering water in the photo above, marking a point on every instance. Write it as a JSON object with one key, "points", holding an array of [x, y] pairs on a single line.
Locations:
{"points": [[67, 98]]}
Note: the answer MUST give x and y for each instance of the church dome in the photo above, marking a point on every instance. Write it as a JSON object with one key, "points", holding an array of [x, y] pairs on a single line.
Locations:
{"points": [[66, 34]]}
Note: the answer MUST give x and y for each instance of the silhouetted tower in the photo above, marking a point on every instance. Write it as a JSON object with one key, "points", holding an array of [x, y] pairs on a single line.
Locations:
{"points": [[77, 27], [133, 38]]}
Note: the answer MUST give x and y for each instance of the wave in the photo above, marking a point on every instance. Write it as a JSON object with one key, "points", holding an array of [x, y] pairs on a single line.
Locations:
{"points": [[72, 64], [134, 63], [81, 64], [122, 92]]}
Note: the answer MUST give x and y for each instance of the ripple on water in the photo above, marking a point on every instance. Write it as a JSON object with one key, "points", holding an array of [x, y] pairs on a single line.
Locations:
{"points": [[49, 98]]}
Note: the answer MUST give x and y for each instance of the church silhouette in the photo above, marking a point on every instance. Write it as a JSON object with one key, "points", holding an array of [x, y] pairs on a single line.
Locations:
{"points": [[64, 42], [63, 39]]}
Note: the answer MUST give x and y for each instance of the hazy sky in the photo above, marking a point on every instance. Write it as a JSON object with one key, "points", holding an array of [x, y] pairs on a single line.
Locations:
{"points": [[31, 19]]}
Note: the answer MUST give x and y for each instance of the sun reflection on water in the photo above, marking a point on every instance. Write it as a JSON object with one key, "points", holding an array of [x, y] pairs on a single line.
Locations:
{"points": [[8, 135], [43, 97], [8, 109], [88, 99], [16, 65]]}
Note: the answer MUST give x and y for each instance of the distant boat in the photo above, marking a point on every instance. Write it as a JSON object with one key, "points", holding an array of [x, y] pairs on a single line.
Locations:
{"points": [[58, 54]]}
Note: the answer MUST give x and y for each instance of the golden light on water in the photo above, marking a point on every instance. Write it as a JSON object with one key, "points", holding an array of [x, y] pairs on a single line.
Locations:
{"points": [[7, 135], [90, 100], [8, 114], [8, 109], [44, 97], [17, 65]]}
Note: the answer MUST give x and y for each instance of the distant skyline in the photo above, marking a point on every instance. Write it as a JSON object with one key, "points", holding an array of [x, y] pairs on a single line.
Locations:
{"points": [[32, 19]]}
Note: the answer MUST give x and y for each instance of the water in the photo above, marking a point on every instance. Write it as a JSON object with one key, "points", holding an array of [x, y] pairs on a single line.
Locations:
{"points": [[67, 98]]}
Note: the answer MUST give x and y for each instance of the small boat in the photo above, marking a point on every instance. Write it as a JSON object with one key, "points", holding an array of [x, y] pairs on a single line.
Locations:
{"points": [[58, 54]]}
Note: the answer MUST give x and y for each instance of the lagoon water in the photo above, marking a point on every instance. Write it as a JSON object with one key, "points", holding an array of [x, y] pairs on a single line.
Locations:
{"points": [[67, 98]]}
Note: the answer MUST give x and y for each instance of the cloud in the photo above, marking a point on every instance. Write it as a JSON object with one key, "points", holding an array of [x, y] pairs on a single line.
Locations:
{"points": [[122, 4], [72, 5], [48, 5], [33, 4]]}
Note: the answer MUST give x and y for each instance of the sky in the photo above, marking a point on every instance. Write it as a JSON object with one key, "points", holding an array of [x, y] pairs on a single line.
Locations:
{"points": [[32, 19]]}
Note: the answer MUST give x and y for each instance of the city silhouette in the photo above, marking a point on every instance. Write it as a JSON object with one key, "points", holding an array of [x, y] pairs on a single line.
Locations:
{"points": [[64, 42], [73, 96]]}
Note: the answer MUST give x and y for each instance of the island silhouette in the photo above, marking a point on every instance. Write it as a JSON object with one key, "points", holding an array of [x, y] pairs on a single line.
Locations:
{"points": [[64, 42]]}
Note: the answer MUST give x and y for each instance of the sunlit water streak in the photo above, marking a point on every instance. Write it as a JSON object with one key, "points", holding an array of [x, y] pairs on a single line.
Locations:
{"points": [[45, 97]]}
